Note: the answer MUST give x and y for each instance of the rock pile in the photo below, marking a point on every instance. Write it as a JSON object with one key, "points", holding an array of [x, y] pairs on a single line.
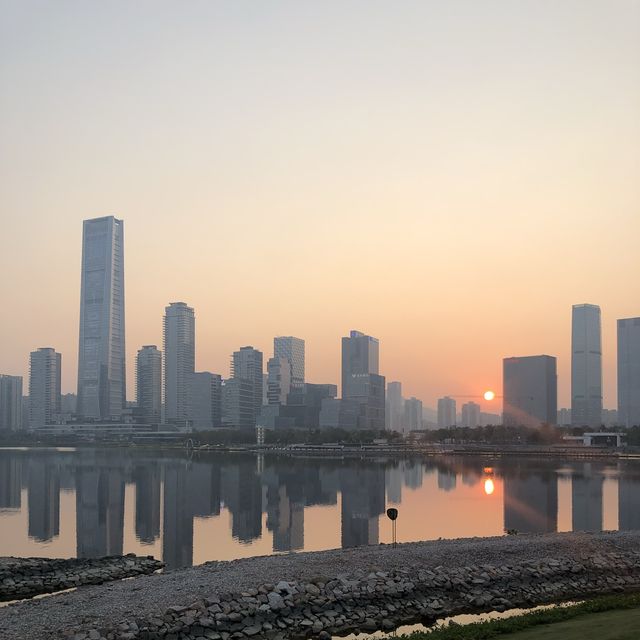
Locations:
{"points": [[27, 577], [367, 601]]}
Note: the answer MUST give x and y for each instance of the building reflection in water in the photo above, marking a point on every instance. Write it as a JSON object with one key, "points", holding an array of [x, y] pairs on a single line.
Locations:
{"points": [[282, 490]]}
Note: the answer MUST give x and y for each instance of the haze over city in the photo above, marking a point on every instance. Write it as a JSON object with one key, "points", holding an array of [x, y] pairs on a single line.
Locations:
{"points": [[451, 181]]}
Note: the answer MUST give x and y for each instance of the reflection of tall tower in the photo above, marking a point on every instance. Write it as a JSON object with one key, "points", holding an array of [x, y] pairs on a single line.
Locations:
{"points": [[531, 502], [393, 482], [586, 497], [99, 512], [101, 353], [628, 501], [10, 480], [242, 493], [413, 474], [629, 372], [177, 527], [44, 500], [446, 479], [586, 366], [147, 481], [363, 500]]}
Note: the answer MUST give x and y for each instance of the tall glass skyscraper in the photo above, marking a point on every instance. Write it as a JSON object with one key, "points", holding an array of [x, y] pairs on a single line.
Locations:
{"points": [[586, 366], [629, 372], [101, 352], [291, 349]]}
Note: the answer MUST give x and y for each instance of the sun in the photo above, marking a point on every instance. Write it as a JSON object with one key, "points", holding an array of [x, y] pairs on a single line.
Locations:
{"points": [[489, 395]]}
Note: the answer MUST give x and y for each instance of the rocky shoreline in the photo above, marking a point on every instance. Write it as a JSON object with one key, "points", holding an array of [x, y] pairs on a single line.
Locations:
{"points": [[28, 577], [322, 594]]}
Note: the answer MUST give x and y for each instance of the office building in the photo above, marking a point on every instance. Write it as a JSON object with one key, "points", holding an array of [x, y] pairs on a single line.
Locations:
{"points": [[446, 412], [11, 403], [149, 384], [470, 415], [360, 356], [179, 360], [586, 366], [564, 417], [238, 406], [395, 407], [45, 399], [246, 364], [205, 400], [278, 380], [336, 413], [412, 414], [292, 350], [101, 352], [530, 390], [629, 372]]}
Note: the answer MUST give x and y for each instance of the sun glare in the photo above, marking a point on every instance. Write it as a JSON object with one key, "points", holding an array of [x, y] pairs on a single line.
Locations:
{"points": [[489, 395], [489, 486]]}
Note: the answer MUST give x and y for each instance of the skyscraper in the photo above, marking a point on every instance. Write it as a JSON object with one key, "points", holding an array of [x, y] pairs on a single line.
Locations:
{"points": [[629, 372], [45, 399], [530, 389], [179, 360], [360, 355], [10, 403], [101, 352], [586, 366], [278, 380], [395, 407], [246, 364], [292, 350], [446, 412], [470, 415], [205, 400], [149, 384], [412, 414]]}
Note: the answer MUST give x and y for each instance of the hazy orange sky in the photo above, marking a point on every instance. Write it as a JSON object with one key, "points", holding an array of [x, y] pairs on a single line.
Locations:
{"points": [[447, 176]]}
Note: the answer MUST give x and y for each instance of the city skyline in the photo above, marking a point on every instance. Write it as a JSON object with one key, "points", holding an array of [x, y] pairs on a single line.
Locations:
{"points": [[449, 181]]}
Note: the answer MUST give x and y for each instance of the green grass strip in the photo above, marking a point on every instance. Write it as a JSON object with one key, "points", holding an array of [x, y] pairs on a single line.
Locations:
{"points": [[494, 628]]}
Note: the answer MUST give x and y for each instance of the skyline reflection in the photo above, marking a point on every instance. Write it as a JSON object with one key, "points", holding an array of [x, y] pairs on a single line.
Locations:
{"points": [[184, 510]]}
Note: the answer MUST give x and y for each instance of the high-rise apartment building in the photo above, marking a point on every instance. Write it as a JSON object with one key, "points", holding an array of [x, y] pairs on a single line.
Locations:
{"points": [[179, 360], [292, 350], [149, 384], [470, 415], [45, 398], [629, 372], [101, 352], [446, 412], [586, 366], [395, 407], [530, 390], [412, 414], [246, 364], [10, 403]]}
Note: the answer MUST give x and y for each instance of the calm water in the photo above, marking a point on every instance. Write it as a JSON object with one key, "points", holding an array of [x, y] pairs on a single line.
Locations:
{"points": [[217, 507]]}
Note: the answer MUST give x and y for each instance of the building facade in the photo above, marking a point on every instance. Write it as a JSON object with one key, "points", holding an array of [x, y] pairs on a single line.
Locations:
{"points": [[412, 414], [149, 384], [292, 350], [238, 404], [629, 372], [11, 403], [205, 400], [530, 390], [278, 380], [360, 355], [586, 366], [45, 398], [247, 365], [470, 415], [395, 407], [446, 412], [179, 360], [101, 351]]}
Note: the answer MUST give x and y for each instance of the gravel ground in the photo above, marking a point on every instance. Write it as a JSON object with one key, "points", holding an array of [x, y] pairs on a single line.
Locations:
{"points": [[106, 604]]}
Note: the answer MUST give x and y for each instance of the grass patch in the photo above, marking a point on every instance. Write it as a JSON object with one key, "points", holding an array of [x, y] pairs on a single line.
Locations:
{"points": [[494, 628]]}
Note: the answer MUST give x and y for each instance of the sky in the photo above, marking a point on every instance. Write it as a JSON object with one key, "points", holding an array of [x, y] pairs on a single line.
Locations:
{"points": [[449, 177]]}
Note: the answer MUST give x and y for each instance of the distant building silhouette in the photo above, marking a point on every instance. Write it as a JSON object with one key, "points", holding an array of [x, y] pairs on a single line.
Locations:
{"points": [[394, 407], [179, 360], [446, 412], [564, 417], [238, 406], [11, 403], [149, 384], [278, 380], [470, 415], [101, 354], [412, 414], [247, 365], [204, 400], [45, 399], [586, 366], [629, 372], [530, 389]]}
